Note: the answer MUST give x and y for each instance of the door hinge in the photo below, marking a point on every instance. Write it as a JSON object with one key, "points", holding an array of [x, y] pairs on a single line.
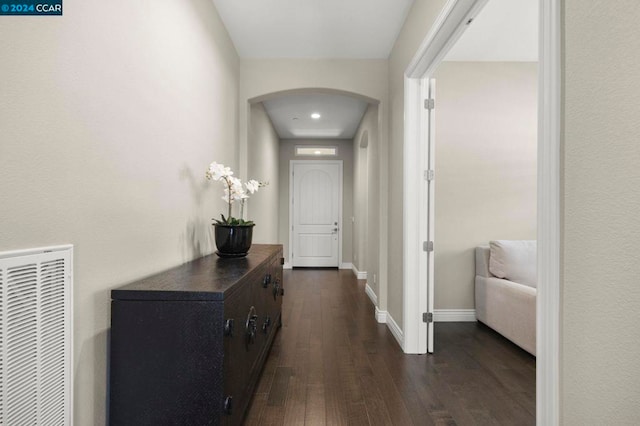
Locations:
{"points": [[429, 104], [429, 175], [427, 246], [427, 317]]}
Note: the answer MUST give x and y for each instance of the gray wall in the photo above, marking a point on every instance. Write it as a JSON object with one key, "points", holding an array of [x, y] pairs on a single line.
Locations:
{"points": [[600, 308], [109, 121], [367, 198], [366, 78], [345, 153], [485, 187], [360, 197], [262, 207]]}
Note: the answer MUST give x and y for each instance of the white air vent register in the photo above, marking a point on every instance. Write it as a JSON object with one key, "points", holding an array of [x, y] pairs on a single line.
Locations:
{"points": [[35, 336]]}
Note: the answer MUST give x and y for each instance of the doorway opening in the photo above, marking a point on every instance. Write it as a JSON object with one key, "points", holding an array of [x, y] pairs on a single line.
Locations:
{"points": [[299, 128], [453, 21]]}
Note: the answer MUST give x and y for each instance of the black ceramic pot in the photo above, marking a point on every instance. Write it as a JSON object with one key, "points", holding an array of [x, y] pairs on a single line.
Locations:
{"points": [[233, 240]]}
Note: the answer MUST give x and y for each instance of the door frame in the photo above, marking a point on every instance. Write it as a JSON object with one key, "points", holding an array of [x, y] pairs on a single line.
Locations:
{"points": [[446, 30], [292, 163]]}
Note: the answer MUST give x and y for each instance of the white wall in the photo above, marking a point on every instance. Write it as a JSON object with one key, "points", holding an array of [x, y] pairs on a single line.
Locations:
{"points": [[262, 207], [419, 20], [110, 115], [485, 156], [601, 221], [345, 153]]}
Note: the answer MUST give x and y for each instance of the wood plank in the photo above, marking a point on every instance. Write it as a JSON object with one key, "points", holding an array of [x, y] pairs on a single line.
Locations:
{"points": [[358, 414], [279, 387], [315, 412], [254, 415], [376, 407]]}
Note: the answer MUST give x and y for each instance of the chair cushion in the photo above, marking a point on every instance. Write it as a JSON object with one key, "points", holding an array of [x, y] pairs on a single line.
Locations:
{"points": [[514, 261]]}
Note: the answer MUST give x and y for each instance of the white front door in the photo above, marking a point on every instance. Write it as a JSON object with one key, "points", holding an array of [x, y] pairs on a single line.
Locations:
{"points": [[316, 213]]}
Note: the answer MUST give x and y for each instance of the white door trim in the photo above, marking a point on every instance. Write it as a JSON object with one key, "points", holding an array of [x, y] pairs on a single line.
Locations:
{"points": [[341, 190], [549, 214], [414, 231], [448, 27]]}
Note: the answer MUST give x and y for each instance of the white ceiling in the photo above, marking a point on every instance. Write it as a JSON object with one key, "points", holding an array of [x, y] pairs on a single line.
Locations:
{"points": [[359, 29], [313, 28], [505, 30], [291, 116]]}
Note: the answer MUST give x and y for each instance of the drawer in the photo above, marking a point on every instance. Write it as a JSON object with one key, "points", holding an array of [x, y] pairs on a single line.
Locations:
{"points": [[244, 344]]}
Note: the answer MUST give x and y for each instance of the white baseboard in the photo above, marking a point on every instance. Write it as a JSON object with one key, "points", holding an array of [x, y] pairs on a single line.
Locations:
{"points": [[395, 329], [381, 316], [346, 265], [287, 265], [372, 295], [454, 315], [361, 275]]}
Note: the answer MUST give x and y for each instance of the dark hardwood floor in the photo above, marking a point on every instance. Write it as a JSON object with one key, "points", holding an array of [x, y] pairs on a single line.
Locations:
{"points": [[332, 363]]}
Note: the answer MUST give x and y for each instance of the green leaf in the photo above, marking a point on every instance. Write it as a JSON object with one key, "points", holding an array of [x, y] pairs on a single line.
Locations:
{"points": [[232, 221]]}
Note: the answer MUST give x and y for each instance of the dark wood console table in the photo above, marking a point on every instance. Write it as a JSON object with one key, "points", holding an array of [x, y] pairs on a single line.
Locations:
{"points": [[188, 344]]}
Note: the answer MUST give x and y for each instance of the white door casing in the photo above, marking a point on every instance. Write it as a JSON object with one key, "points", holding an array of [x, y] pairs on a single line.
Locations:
{"points": [[448, 27], [315, 198]]}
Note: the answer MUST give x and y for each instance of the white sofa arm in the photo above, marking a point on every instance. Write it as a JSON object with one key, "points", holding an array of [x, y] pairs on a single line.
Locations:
{"points": [[509, 308], [482, 261]]}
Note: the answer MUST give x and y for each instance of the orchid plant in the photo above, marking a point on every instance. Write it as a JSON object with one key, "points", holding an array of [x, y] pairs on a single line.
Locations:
{"points": [[234, 191]]}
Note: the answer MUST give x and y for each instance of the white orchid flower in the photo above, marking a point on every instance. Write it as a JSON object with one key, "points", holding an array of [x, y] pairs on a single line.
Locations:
{"points": [[239, 196], [252, 186], [234, 190], [218, 171], [227, 198], [236, 184]]}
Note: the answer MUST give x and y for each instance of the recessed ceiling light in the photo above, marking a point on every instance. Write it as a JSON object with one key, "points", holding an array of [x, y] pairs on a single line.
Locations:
{"points": [[315, 115], [317, 152], [294, 118]]}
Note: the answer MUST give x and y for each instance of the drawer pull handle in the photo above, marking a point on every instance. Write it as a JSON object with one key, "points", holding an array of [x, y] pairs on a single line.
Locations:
{"points": [[228, 327], [228, 405], [251, 327], [266, 281], [277, 289], [266, 324]]}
